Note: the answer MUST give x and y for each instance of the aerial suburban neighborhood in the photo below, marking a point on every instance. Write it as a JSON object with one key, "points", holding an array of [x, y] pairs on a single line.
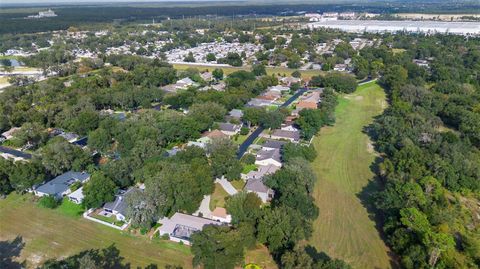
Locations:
{"points": [[247, 135]]}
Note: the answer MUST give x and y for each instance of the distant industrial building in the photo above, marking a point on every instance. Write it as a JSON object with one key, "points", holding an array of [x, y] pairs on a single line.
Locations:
{"points": [[43, 14], [374, 26]]}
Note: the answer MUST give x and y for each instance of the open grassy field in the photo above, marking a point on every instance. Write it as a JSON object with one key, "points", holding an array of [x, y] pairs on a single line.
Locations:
{"points": [[344, 229], [218, 197], [61, 232], [230, 69]]}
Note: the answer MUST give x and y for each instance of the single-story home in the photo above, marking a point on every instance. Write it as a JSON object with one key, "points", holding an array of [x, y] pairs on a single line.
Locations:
{"points": [[70, 137], [261, 171], [257, 186], [229, 129], [118, 206], [220, 214], [293, 136], [288, 81], [273, 144], [236, 114], [60, 186], [180, 227], [13, 154], [207, 76], [340, 67], [10, 133], [279, 89], [269, 157]]}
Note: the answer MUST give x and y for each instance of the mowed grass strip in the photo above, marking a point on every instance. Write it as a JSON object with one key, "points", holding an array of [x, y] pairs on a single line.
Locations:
{"points": [[59, 233], [343, 228]]}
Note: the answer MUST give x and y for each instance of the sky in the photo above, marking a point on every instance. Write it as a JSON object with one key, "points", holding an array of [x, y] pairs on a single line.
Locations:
{"points": [[96, 1]]}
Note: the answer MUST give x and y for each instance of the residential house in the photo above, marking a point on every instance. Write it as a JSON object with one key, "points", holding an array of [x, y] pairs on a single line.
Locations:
{"points": [[229, 129], [288, 81], [273, 144], [118, 206], [70, 137], [76, 196], [13, 154], [180, 227], [279, 88], [257, 186], [289, 127], [269, 157], [10, 133], [220, 214], [206, 76], [293, 136], [340, 67], [60, 186], [236, 114], [422, 63], [261, 171]]}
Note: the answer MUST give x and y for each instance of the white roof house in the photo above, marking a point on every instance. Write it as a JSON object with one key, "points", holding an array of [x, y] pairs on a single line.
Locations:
{"points": [[180, 227], [10, 133], [76, 196]]}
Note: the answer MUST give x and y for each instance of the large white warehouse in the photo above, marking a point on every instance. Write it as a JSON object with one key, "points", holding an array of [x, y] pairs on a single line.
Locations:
{"points": [[429, 27]]}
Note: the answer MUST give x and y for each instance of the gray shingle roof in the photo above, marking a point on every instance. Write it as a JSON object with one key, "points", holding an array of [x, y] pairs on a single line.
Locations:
{"points": [[119, 204], [256, 185], [228, 127], [62, 183], [274, 144], [295, 135], [269, 154]]}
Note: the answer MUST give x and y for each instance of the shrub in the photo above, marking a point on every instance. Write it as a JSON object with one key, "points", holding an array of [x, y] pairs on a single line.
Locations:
{"points": [[244, 131], [49, 202]]}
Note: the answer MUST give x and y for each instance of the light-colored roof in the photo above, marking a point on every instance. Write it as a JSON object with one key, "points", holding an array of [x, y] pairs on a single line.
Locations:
{"points": [[269, 154], [77, 195], [215, 134], [262, 171], [295, 135], [170, 224]]}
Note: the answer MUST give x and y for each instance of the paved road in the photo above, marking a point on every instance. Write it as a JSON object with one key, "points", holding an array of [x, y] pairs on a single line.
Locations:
{"points": [[227, 186], [244, 146]]}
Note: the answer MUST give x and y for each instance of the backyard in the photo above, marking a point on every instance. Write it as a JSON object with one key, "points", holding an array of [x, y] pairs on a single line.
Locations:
{"points": [[344, 228]]}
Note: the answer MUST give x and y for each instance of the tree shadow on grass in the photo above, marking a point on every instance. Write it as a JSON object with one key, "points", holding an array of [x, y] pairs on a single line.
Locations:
{"points": [[10, 251], [374, 186]]}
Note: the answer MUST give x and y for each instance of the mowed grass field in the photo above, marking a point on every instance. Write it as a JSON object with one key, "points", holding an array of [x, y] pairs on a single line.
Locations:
{"points": [[344, 229], [58, 233]]}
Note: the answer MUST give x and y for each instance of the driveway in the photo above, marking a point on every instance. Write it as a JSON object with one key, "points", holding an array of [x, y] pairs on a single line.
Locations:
{"points": [[227, 186], [204, 208]]}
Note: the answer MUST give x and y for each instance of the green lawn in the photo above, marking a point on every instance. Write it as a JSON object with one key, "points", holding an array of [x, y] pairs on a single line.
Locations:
{"points": [[218, 197], [54, 233], [69, 208], [238, 184], [344, 229]]}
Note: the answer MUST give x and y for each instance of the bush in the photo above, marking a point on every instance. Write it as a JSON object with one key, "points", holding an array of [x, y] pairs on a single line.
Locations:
{"points": [[49, 202], [244, 131]]}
